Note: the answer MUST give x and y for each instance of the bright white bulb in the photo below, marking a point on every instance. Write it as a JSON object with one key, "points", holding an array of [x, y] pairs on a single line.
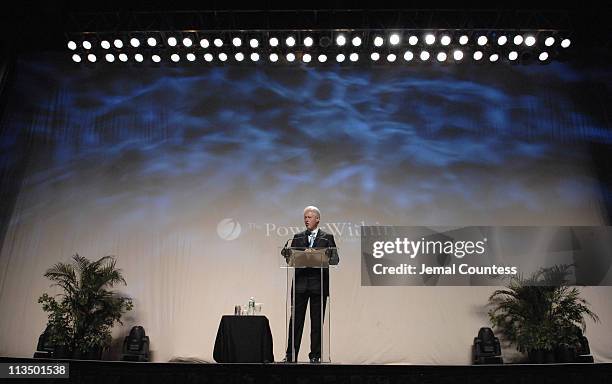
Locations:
{"points": [[290, 41], [175, 57], [549, 41], [391, 57], [482, 40], [204, 43], [254, 56], [353, 57], [76, 58], [413, 40], [463, 40], [273, 57], [72, 46], [91, 57], [306, 58], [123, 57], [139, 57], [518, 40], [477, 55], [187, 42], [254, 43], [441, 56], [408, 56], [118, 43], [424, 55], [151, 41], [156, 58], [105, 44], [239, 56], [494, 57], [208, 57], [290, 57], [530, 41], [308, 41], [340, 40], [565, 43], [109, 57], [394, 39], [134, 42], [502, 40], [513, 55], [430, 39], [340, 58], [218, 43], [356, 41], [543, 56], [273, 42], [86, 44], [445, 40], [375, 56], [191, 57], [458, 55], [378, 41], [236, 41], [223, 56], [322, 58], [173, 42]]}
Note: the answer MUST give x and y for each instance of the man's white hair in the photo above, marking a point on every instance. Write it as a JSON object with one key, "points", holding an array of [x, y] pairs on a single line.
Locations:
{"points": [[312, 208]]}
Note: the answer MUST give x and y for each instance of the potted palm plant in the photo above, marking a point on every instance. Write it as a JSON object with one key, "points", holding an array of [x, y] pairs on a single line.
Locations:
{"points": [[540, 314], [81, 318]]}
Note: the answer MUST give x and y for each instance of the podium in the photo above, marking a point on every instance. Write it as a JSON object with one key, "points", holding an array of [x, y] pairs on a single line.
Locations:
{"points": [[307, 283]]}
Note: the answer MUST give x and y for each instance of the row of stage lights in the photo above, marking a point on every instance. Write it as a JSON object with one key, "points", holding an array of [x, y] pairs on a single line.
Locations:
{"points": [[215, 49]]}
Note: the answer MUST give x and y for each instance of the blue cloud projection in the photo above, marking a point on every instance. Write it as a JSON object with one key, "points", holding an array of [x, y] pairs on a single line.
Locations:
{"points": [[484, 137]]}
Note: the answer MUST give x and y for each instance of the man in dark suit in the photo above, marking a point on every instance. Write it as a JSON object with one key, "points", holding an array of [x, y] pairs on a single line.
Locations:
{"points": [[308, 286]]}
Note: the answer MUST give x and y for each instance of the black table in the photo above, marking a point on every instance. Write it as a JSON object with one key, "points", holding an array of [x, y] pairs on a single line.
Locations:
{"points": [[243, 339]]}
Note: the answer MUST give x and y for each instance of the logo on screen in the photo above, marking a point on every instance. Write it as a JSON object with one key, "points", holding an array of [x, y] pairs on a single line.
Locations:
{"points": [[228, 229]]}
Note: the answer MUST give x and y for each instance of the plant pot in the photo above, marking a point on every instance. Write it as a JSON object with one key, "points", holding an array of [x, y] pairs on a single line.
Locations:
{"points": [[536, 356], [565, 354], [62, 352], [549, 357], [92, 354]]}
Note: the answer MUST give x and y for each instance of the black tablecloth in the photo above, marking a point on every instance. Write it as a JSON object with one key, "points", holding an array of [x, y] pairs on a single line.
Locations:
{"points": [[243, 339]]}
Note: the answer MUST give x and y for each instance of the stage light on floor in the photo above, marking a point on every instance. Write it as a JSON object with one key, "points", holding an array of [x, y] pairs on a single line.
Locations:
{"points": [[76, 58], [204, 43], [118, 43], [518, 40], [394, 39], [239, 56], [424, 56], [223, 56], [413, 40], [356, 41], [290, 41], [306, 58], [512, 56], [463, 40], [156, 58], [502, 40], [430, 39], [543, 56], [86, 44], [565, 43], [139, 57], [134, 42], [458, 55], [208, 57], [445, 40], [273, 42], [378, 41], [494, 57], [191, 57], [441, 57], [486, 348], [408, 56], [477, 55], [322, 58], [290, 57], [254, 43], [482, 40], [340, 58], [172, 41], [375, 56], [123, 57], [308, 41], [136, 345], [72, 45], [151, 41], [254, 56], [354, 57], [340, 40], [549, 41], [530, 41], [105, 44], [92, 58], [187, 42], [391, 57], [236, 41], [109, 57], [218, 43]]}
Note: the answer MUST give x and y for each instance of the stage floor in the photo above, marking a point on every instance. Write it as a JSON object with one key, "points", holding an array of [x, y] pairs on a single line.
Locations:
{"points": [[92, 372]]}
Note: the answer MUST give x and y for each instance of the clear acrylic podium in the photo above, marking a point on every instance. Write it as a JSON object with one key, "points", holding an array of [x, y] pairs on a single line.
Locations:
{"points": [[304, 265]]}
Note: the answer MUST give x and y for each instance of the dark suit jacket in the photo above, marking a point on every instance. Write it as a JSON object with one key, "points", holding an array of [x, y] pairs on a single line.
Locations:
{"points": [[310, 278]]}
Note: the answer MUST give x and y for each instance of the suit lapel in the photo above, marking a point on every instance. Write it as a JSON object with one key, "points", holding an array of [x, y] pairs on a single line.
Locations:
{"points": [[316, 240]]}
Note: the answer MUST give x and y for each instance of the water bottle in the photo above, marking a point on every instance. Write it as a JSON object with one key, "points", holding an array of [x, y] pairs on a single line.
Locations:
{"points": [[251, 309]]}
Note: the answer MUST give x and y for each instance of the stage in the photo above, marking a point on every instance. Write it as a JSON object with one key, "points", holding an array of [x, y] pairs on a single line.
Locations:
{"points": [[91, 372]]}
